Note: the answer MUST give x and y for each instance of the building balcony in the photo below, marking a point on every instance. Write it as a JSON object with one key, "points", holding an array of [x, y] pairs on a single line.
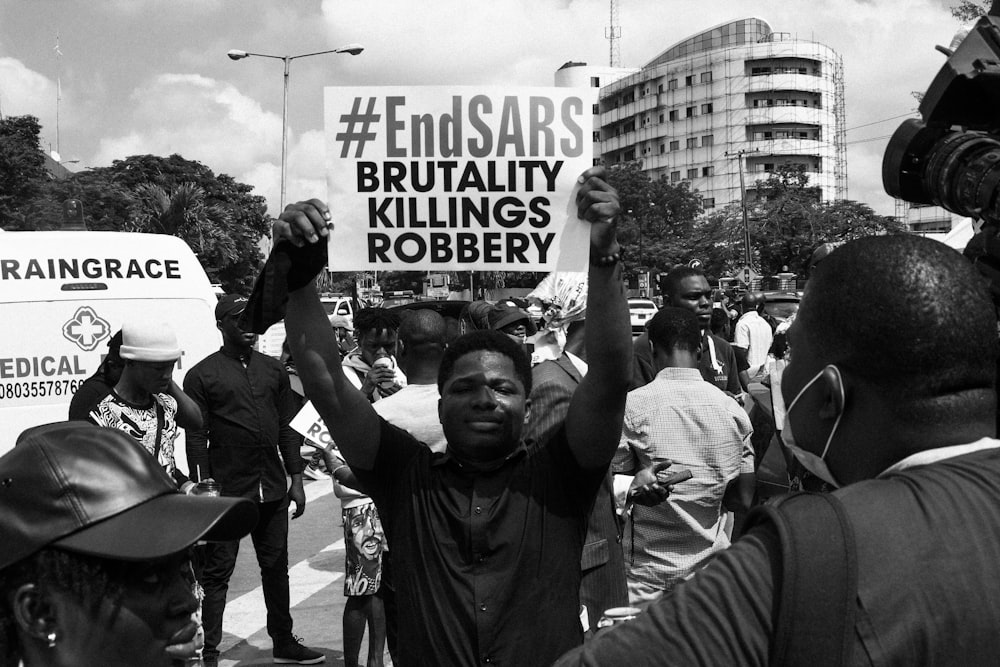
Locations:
{"points": [[804, 82]]}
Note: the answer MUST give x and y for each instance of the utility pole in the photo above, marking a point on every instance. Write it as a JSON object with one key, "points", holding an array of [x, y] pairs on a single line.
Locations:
{"points": [[743, 203]]}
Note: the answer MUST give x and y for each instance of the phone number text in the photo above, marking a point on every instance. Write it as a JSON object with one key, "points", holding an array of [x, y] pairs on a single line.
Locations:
{"points": [[39, 388]]}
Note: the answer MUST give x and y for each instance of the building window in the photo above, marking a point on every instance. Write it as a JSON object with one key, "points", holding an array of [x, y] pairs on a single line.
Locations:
{"points": [[675, 176], [659, 88], [692, 142], [675, 145], [759, 71], [689, 112], [706, 108], [673, 115], [597, 135], [595, 82], [692, 174], [708, 140], [596, 110], [768, 166], [672, 84], [708, 202], [661, 117], [706, 77], [708, 171], [663, 149], [689, 80]]}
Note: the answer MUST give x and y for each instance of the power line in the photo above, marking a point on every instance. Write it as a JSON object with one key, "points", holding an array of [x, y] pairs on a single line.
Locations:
{"points": [[876, 122], [861, 141]]}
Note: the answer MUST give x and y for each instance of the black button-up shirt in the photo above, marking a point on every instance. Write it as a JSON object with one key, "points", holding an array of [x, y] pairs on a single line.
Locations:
{"points": [[486, 564], [247, 405]]}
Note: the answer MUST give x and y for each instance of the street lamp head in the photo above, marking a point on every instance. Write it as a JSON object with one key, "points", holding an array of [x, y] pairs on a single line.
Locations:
{"points": [[353, 49], [236, 54]]}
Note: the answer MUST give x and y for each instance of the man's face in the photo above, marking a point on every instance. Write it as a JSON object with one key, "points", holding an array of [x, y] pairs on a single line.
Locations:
{"points": [[153, 376], [155, 612], [377, 343], [233, 335], [483, 406], [694, 294]]}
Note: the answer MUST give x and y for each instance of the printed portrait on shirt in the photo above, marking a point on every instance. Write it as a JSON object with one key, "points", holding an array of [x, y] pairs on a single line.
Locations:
{"points": [[364, 542]]}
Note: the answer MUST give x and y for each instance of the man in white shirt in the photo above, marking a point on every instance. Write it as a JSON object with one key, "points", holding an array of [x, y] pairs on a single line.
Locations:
{"points": [[753, 336]]}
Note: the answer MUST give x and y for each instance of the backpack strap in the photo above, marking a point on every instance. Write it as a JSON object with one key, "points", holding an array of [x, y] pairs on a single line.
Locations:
{"points": [[819, 581]]}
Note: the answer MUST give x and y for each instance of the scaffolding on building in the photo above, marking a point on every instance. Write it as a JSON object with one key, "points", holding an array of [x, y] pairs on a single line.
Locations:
{"points": [[840, 136]]}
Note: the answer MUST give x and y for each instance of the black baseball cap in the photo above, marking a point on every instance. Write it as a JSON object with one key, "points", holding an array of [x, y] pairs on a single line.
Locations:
{"points": [[96, 491], [230, 304]]}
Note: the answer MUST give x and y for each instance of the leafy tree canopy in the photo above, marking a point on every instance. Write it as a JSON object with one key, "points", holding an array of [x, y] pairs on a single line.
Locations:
{"points": [[219, 218], [659, 218], [787, 221], [967, 11]]}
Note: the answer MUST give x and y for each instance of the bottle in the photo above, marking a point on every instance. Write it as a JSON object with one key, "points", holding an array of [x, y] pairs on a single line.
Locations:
{"points": [[385, 362]]}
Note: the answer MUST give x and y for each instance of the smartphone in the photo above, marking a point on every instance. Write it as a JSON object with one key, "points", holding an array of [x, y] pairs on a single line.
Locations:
{"points": [[666, 478]]}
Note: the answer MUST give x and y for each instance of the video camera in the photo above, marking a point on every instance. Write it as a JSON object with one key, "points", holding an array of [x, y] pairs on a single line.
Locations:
{"points": [[951, 158]]}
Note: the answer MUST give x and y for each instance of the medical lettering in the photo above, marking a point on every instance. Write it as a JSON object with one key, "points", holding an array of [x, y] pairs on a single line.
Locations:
{"points": [[19, 367]]}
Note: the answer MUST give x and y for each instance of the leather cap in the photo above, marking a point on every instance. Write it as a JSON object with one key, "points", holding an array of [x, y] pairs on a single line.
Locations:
{"points": [[96, 491]]}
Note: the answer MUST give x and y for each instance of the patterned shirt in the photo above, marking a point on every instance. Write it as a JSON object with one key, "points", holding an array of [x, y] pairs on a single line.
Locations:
{"points": [[679, 416], [140, 422]]}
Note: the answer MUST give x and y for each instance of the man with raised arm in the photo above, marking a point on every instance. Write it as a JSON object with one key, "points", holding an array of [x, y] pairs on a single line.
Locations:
{"points": [[486, 537]]}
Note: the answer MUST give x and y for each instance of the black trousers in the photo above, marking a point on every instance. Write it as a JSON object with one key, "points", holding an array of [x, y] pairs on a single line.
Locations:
{"points": [[215, 563]]}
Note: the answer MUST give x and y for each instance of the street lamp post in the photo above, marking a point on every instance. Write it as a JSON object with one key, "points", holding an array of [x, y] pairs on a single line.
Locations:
{"points": [[236, 54]]}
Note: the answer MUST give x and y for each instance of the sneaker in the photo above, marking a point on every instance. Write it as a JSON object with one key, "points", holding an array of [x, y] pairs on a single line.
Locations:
{"points": [[293, 652]]}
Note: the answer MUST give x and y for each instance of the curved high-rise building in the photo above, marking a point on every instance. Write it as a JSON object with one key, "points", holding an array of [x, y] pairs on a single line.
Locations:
{"points": [[738, 92]]}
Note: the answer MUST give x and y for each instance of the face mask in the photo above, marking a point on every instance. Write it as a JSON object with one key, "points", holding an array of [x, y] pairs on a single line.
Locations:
{"points": [[814, 464]]}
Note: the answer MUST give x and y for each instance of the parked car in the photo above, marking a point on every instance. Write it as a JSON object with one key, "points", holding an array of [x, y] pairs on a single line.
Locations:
{"points": [[640, 311], [781, 305]]}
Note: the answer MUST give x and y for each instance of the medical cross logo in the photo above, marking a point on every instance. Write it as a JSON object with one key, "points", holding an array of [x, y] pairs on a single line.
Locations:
{"points": [[86, 329]]}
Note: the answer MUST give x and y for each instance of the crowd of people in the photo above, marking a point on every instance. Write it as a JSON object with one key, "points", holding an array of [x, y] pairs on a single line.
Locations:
{"points": [[508, 492]]}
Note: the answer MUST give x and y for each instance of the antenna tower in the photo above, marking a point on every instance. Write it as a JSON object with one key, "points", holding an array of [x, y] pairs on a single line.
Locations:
{"points": [[58, 89], [614, 34]]}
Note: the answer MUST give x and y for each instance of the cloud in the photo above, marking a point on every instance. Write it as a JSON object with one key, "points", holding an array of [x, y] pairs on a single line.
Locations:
{"points": [[204, 120], [27, 92]]}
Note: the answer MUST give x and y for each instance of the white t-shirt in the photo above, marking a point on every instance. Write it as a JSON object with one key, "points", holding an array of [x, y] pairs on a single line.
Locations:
{"points": [[414, 408]]}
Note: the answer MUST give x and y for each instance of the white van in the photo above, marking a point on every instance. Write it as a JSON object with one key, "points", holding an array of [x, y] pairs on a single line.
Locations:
{"points": [[64, 294]]}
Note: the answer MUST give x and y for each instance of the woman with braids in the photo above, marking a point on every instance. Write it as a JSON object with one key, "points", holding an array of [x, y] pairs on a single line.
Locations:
{"points": [[94, 568]]}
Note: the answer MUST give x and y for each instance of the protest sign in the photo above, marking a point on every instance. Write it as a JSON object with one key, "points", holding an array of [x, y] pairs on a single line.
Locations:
{"points": [[457, 178]]}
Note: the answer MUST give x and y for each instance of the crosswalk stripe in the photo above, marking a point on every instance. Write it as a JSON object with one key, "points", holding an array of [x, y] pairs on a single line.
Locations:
{"points": [[246, 614]]}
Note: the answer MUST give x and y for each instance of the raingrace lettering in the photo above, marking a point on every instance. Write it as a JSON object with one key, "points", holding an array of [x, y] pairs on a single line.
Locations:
{"points": [[91, 268]]}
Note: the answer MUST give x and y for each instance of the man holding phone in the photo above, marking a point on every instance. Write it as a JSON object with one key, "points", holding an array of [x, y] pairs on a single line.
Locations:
{"points": [[682, 422]]}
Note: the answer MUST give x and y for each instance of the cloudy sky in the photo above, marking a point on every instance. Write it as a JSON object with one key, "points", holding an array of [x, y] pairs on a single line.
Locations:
{"points": [[152, 76]]}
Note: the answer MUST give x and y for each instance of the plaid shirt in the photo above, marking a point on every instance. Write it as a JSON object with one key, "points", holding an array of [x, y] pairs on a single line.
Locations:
{"points": [[681, 417]]}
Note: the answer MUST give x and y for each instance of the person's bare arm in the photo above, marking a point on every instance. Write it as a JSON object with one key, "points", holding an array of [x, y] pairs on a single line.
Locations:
{"points": [[188, 413], [594, 420], [347, 413]]}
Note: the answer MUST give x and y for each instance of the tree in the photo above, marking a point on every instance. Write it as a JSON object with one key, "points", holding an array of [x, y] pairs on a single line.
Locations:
{"points": [[967, 11], [787, 222], [22, 168], [216, 215], [659, 217]]}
